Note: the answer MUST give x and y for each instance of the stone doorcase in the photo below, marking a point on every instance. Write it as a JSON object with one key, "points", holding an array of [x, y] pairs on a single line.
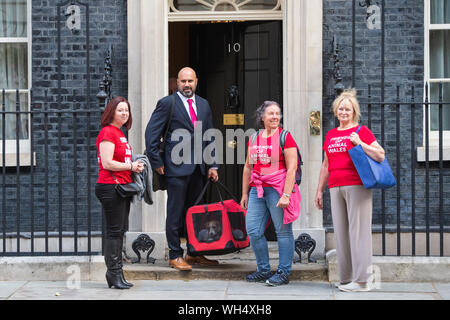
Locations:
{"points": [[148, 58]]}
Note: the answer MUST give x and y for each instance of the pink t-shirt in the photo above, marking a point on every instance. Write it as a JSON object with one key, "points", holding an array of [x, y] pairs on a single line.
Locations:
{"points": [[340, 165], [122, 153], [262, 156]]}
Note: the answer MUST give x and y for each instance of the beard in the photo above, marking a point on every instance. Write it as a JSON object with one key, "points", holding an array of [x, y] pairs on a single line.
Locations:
{"points": [[188, 92]]}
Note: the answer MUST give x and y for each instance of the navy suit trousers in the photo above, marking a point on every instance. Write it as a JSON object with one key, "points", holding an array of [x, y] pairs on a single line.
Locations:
{"points": [[181, 195]]}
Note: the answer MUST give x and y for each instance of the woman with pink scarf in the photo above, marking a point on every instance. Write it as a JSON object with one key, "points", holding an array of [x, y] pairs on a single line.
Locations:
{"points": [[269, 191]]}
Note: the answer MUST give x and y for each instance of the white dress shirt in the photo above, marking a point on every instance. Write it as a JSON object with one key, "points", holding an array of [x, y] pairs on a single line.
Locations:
{"points": [[186, 104], [194, 106]]}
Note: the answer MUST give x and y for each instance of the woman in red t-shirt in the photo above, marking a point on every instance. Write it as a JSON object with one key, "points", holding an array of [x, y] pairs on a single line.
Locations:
{"points": [[114, 159], [269, 190], [351, 203]]}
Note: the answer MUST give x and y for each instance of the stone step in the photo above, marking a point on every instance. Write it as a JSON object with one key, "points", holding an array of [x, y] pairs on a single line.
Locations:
{"points": [[235, 266], [229, 270]]}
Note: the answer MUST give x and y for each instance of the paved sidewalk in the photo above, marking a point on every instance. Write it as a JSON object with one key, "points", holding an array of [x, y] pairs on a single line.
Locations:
{"points": [[215, 290]]}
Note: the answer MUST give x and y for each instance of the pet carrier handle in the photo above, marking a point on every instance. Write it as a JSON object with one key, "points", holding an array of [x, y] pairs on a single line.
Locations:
{"points": [[203, 192], [227, 190]]}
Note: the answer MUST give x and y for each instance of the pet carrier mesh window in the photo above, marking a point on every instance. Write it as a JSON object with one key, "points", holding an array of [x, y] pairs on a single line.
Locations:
{"points": [[207, 226], [237, 223]]}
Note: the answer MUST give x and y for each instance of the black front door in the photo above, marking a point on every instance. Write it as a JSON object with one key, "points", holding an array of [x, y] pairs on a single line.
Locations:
{"points": [[239, 66]]}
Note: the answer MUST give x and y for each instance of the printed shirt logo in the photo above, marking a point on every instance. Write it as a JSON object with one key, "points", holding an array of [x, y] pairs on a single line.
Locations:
{"points": [[338, 144], [261, 154], [127, 150]]}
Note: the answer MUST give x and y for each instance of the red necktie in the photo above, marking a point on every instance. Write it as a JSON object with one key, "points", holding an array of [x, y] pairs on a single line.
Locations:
{"points": [[192, 113]]}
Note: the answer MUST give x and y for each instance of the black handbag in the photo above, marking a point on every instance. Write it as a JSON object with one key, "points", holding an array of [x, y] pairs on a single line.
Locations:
{"points": [[126, 190], [159, 181]]}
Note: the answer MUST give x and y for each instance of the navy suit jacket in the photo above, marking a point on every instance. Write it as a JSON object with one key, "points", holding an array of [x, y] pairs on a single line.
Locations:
{"points": [[180, 120]]}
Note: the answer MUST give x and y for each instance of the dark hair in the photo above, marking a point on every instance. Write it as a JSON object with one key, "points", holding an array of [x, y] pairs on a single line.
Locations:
{"points": [[262, 109], [110, 111]]}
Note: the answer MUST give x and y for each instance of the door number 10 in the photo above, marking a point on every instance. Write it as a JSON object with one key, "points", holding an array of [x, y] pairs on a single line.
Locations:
{"points": [[236, 47]]}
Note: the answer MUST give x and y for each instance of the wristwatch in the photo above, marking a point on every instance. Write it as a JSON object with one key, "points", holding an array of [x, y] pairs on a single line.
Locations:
{"points": [[286, 194]]}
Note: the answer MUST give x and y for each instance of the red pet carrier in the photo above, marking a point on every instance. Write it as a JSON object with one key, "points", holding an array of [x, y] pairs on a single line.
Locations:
{"points": [[216, 228]]}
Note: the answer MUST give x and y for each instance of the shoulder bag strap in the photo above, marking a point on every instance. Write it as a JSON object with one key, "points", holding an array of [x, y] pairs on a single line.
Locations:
{"points": [[163, 144], [114, 177], [282, 141], [254, 136]]}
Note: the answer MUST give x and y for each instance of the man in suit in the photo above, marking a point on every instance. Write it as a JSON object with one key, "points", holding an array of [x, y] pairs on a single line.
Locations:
{"points": [[185, 181]]}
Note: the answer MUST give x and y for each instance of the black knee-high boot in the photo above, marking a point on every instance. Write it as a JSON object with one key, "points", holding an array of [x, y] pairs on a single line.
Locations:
{"points": [[113, 260], [122, 277]]}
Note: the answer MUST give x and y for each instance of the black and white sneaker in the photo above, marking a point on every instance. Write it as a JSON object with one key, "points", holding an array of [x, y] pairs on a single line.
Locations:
{"points": [[258, 276], [278, 279]]}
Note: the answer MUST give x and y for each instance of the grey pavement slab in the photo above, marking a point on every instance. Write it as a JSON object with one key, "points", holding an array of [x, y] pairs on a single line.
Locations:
{"points": [[53, 293], [63, 290], [294, 288], [7, 288], [172, 295], [393, 291], [277, 297], [399, 287], [385, 296], [180, 285], [443, 289], [406, 287], [215, 290]]}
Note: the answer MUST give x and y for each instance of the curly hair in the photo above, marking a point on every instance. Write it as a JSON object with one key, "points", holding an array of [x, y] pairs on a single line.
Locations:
{"points": [[262, 109]]}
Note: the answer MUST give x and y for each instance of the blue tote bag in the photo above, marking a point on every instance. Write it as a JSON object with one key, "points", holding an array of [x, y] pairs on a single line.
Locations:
{"points": [[373, 174]]}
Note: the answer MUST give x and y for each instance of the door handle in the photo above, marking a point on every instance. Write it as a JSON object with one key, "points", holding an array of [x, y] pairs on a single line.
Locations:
{"points": [[232, 144]]}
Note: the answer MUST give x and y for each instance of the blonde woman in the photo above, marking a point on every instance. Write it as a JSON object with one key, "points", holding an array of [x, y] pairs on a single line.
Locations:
{"points": [[351, 203]]}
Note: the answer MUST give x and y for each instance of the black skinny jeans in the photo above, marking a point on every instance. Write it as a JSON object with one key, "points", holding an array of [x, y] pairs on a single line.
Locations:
{"points": [[115, 208]]}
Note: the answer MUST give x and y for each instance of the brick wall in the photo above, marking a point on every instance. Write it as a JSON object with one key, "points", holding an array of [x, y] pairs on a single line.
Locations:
{"points": [[108, 25]]}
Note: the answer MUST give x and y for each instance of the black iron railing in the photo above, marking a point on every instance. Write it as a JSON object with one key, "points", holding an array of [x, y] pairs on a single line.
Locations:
{"points": [[47, 204]]}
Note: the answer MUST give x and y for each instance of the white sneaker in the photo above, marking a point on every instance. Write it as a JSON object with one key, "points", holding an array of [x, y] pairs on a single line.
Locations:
{"points": [[354, 287]]}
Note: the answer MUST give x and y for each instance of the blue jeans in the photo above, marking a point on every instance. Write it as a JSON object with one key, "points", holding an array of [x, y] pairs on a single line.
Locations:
{"points": [[259, 210]]}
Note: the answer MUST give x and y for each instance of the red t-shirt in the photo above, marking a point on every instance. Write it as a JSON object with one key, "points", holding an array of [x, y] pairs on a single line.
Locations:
{"points": [[261, 154], [122, 153], [340, 166]]}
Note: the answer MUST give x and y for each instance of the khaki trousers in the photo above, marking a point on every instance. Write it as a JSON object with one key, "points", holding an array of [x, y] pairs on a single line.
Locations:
{"points": [[351, 209]]}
